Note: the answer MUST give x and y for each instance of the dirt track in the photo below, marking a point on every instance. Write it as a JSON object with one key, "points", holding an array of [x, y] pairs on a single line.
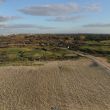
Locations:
{"points": [[58, 85]]}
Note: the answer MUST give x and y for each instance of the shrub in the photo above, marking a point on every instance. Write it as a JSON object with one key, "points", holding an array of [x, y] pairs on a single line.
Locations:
{"points": [[3, 56], [20, 56]]}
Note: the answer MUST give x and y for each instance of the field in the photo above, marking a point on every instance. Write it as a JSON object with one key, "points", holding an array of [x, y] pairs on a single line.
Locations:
{"points": [[26, 48], [28, 56], [55, 85], [55, 72], [97, 48]]}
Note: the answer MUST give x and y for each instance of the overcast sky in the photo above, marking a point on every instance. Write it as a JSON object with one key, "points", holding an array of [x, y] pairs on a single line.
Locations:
{"points": [[54, 16]]}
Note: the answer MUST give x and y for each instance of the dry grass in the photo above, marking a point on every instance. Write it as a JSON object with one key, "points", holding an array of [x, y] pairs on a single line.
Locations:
{"points": [[57, 85]]}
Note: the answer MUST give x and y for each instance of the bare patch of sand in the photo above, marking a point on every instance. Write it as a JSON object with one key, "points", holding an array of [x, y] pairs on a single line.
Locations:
{"points": [[57, 85]]}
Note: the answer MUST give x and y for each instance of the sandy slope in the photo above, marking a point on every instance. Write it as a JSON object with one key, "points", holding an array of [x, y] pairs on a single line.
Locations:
{"points": [[58, 85], [104, 61]]}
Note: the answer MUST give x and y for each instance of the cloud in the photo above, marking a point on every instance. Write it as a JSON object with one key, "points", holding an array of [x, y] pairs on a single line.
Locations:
{"points": [[7, 18], [66, 18], [23, 26], [51, 9], [93, 7], [101, 25], [58, 9], [1, 1]]}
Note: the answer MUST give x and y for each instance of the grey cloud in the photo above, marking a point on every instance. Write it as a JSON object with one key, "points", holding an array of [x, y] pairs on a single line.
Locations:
{"points": [[2, 1], [17, 26], [23, 26], [7, 18], [66, 18], [97, 25], [51, 10], [58, 9]]}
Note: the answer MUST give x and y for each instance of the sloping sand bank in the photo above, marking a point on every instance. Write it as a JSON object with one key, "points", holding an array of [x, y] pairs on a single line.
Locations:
{"points": [[56, 85]]}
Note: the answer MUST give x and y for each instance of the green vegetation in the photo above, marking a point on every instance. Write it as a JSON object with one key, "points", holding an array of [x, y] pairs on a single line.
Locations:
{"points": [[104, 50], [31, 48], [28, 56], [97, 48]]}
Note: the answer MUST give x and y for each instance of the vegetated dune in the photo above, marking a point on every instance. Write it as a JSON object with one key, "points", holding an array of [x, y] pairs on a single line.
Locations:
{"points": [[56, 85]]}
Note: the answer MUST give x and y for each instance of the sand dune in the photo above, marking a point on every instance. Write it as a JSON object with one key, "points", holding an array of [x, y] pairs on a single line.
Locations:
{"points": [[56, 85]]}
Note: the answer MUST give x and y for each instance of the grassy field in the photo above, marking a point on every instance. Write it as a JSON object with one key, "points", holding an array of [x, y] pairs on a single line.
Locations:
{"points": [[55, 85], [25, 49], [28, 55], [101, 48]]}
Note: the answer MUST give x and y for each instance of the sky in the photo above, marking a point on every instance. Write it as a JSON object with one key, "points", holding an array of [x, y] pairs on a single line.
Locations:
{"points": [[54, 16]]}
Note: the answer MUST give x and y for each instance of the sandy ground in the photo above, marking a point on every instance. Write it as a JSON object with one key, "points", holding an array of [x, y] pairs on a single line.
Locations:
{"points": [[104, 61], [58, 85]]}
